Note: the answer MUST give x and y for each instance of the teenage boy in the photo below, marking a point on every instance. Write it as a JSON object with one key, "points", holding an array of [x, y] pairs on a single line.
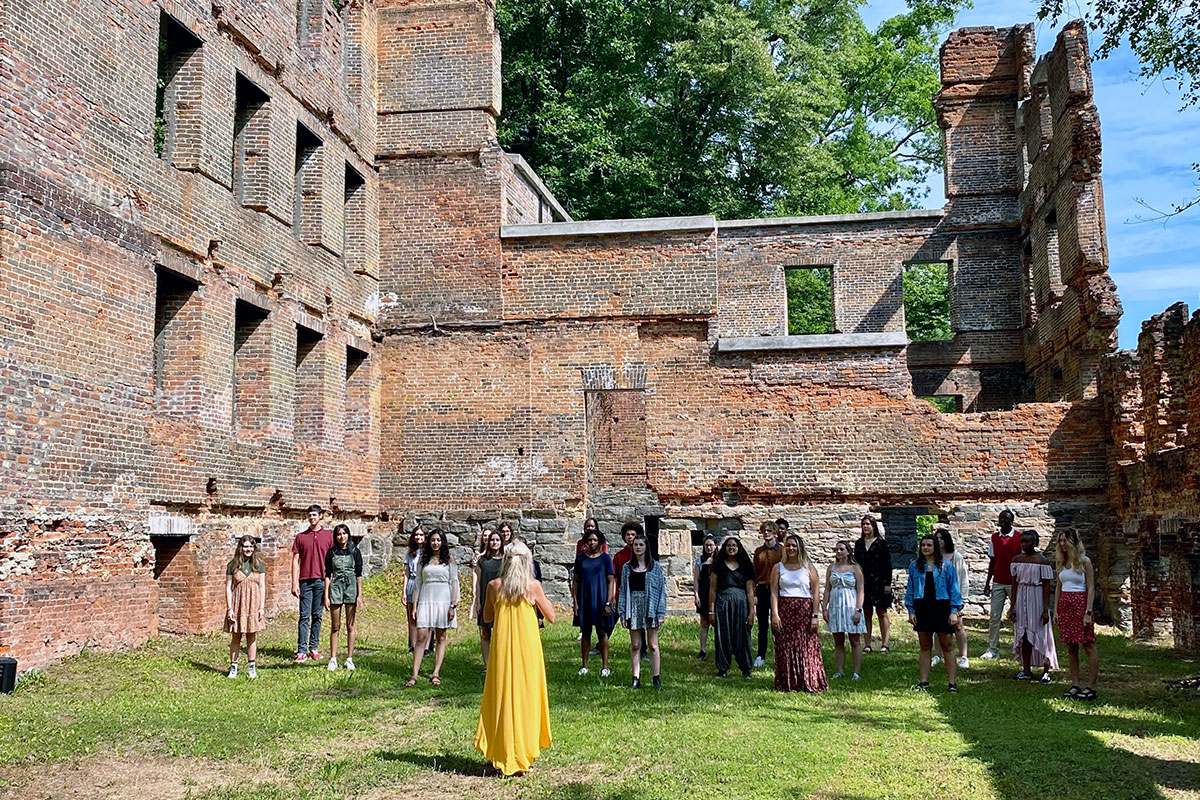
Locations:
{"points": [[1006, 543], [308, 583], [765, 558]]}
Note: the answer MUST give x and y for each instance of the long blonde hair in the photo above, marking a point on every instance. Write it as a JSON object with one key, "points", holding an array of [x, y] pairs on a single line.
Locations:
{"points": [[802, 556], [516, 571], [1070, 552]]}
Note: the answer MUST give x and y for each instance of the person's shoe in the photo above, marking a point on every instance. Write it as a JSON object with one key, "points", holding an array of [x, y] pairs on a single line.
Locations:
{"points": [[1088, 694], [595, 651], [702, 655], [301, 658], [990, 655], [923, 686], [583, 670], [604, 673], [747, 675], [722, 674], [348, 664], [1022, 676], [658, 683], [1046, 678], [315, 655], [251, 672], [964, 663], [332, 667], [837, 675], [855, 677], [952, 688], [232, 671], [637, 683], [760, 662], [645, 656], [933, 662], [579, 636], [1072, 693]]}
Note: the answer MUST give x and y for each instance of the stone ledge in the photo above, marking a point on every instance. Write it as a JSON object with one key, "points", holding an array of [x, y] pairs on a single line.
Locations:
{"points": [[827, 341], [610, 227], [834, 219], [526, 171]]}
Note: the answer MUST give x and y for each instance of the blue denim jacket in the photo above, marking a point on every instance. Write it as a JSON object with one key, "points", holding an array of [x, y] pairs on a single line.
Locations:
{"points": [[945, 584]]}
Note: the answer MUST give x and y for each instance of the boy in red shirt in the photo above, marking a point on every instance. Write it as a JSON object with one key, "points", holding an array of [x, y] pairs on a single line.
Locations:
{"points": [[1006, 543], [308, 583]]}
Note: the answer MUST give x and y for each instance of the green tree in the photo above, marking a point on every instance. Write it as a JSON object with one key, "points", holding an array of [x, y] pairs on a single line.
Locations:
{"points": [[927, 301], [742, 108], [809, 300]]}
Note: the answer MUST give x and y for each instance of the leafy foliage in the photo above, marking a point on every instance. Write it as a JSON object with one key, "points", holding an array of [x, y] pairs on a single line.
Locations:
{"points": [[809, 300], [739, 107], [927, 301], [944, 403]]}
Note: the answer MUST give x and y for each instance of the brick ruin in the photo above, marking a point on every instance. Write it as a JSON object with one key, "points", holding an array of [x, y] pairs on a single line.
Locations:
{"points": [[262, 253]]}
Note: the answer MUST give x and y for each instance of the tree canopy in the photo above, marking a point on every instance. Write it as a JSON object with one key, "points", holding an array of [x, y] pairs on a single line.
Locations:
{"points": [[741, 108]]}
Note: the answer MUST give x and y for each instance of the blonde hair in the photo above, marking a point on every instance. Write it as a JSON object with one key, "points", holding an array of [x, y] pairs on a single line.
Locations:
{"points": [[516, 571], [805, 561], [1070, 552]]}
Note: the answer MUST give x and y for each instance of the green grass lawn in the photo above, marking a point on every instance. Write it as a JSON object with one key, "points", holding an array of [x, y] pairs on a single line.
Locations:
{"points": [[163, 721]]}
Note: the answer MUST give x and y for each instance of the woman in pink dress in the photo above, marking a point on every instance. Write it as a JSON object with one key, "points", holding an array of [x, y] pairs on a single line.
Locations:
{"points": [[1033, 637]]}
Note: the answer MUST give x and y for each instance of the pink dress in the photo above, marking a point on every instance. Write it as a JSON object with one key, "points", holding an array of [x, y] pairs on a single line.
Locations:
{"points": [[1029, 608]]}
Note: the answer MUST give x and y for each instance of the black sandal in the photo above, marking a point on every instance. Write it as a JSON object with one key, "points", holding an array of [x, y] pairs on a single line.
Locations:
{"points": [[1072, 693], [1087, 694], [953, 688]]}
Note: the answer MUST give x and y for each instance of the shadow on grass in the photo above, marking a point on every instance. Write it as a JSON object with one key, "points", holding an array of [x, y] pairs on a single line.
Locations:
{"points": [[1035, 743], [446, 762]]}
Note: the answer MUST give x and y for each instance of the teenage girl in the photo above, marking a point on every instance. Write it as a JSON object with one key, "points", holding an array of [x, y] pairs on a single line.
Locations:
{"points": [[245, 593]]}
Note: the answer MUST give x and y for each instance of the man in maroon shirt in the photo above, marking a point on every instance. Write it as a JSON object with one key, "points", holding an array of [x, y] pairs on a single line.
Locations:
{"points": [[308, 582], [1006, 543]]}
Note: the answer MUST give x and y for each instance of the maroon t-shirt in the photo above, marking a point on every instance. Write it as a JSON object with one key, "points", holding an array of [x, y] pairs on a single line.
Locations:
{"points": [[312, 547]]}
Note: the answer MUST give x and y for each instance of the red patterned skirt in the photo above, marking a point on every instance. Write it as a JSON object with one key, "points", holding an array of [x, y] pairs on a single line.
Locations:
{"points": [[798, 666], [1071, 628]]}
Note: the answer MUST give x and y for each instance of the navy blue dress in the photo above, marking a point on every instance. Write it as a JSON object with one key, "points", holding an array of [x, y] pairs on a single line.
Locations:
{"points": [[591, 576]]}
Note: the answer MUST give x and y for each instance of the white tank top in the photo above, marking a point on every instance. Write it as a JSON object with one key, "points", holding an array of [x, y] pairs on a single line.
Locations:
{"points": [[794, 582], [1073, 580]]}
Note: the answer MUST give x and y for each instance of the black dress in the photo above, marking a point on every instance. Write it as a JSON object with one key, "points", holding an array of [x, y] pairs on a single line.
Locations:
{"points": [[876, 564], [933, 615], [704, 589]]}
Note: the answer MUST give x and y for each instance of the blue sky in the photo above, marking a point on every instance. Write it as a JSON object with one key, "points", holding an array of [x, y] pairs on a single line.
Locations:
{"points": [[1149, 145]]}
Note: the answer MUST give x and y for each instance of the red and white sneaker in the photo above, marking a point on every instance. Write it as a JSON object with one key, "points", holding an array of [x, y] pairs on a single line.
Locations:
{"points": [[315, 655], [301, 658]]}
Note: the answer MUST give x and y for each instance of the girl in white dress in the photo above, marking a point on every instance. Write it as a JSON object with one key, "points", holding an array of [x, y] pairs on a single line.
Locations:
{"points": [[435, 596]]}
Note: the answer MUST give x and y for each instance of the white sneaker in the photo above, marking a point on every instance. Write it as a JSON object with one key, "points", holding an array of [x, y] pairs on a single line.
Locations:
{"points": [[332, 665], [837, 675], [933, 662], [232, 671], [855, 677], [604, 673], [579, 636], [583, 670], [760, 662], [252, 673], [990, 655], [348, 664], [964, 663]]}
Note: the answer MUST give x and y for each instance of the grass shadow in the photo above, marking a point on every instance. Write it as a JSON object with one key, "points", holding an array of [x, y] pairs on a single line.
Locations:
{"points": [[444, 762]]}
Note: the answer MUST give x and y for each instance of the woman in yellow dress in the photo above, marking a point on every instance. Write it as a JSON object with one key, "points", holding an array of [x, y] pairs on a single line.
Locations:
{"points": [[514, 720]]}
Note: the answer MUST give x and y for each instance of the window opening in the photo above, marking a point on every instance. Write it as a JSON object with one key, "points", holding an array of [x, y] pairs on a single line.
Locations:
{"points": [[927, 301], [809, 300]]}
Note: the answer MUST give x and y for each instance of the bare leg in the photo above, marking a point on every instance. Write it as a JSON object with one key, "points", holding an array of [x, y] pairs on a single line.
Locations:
{"points": [[412, 635], [335, 627], [652, 639], [951, 663], [1093, 664], [485, 644], [585, 648], [440, 652], [885, 627], [1026, 654], [423, 635], [235, 648], [1073, 663], [252, 647], [603, 650], [856, 648], [926, 656], [839, 652], [704, 626], [868, 621], [635, 653], [960, 634], [351, 612]]}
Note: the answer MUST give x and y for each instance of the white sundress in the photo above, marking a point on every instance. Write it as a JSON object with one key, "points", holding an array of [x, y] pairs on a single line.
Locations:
{"points": [[436, 590], [843, 600]]}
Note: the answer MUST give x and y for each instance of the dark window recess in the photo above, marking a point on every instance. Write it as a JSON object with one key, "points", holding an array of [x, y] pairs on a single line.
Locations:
{"points": [[307, 188], [250, 140], [809, 300], [176, 45], [251, 366], [172, 296], [651, 525], [927, 301], [1053, 265], [352, 207], [308, 407]]}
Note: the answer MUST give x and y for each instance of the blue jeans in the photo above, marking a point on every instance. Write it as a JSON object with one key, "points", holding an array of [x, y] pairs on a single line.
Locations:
{"points": [[312, 606]]}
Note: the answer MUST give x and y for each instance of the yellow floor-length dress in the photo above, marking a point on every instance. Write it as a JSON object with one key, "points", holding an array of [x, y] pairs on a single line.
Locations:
{"points": [[514, 720]]}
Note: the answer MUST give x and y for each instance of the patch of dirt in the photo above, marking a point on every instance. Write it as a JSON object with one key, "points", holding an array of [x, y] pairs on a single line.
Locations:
{"points": [[106, 776], [452, 785]]}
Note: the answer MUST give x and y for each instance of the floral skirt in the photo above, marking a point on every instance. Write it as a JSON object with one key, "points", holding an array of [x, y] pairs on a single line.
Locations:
{"points": [[798, 665], [1071, 627]]}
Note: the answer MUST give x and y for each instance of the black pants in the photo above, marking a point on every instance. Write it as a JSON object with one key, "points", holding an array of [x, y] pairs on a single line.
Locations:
{"points": [[762, 608]]}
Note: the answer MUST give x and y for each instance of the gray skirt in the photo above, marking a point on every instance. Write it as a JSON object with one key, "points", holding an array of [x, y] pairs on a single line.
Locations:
{"points": [[639, 618]]}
